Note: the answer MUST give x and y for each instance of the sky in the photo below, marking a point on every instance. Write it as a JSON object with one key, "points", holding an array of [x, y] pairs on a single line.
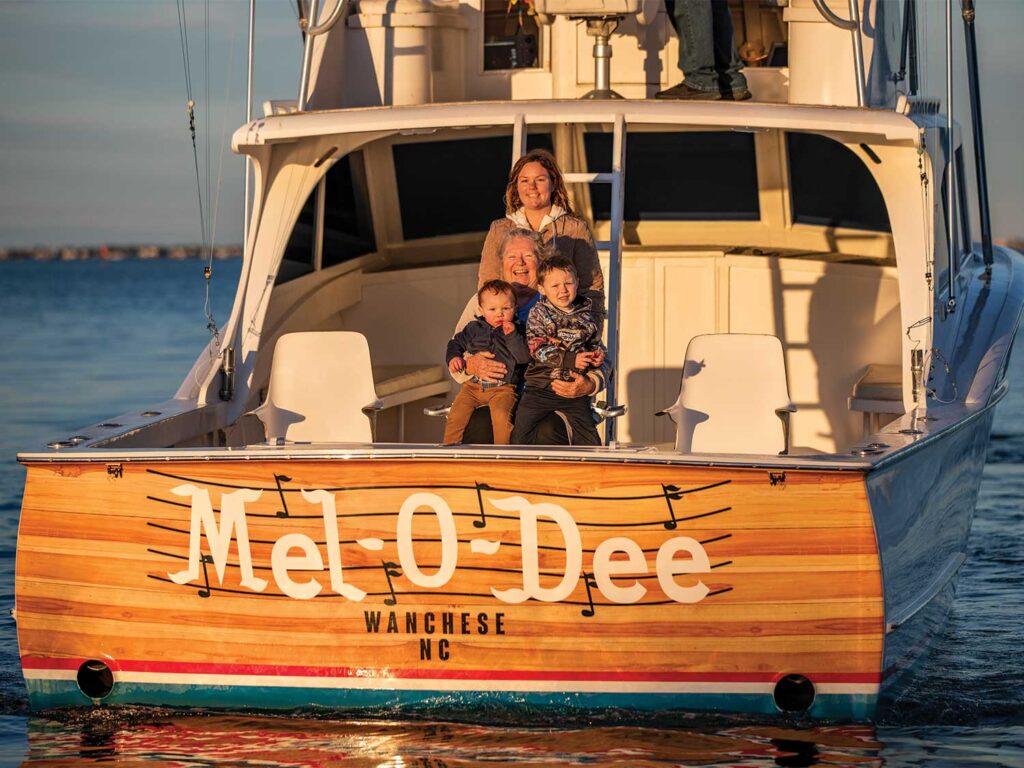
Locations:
{"points": [[94, 140]]}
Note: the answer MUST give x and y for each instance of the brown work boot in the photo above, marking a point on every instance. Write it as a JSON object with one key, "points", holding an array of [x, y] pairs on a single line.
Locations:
{"points": [[742, 95]]}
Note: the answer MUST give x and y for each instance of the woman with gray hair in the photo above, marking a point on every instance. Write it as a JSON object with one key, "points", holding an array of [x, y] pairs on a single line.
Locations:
{"points": [[520, 252]]}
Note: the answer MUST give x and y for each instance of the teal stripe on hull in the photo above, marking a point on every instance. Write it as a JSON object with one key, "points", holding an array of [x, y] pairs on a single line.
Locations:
{"points": [[58, 694]]}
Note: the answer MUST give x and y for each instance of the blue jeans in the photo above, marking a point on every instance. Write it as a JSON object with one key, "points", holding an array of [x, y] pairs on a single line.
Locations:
{"points": [[707, 50]]}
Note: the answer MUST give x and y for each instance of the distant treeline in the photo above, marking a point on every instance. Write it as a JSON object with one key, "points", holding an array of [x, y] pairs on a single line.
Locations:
{"points": [[118, 252]]}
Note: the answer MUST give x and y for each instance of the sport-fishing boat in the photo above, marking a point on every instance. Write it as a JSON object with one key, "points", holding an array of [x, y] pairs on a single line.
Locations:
{"points": [[793, 278]]}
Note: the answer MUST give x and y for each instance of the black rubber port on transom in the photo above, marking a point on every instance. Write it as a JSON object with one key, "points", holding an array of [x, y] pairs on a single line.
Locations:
{"points": [[95, 679], [794, 693]]}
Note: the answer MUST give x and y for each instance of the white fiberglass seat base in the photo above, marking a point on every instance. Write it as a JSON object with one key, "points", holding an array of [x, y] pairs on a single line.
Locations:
{"points": [[321, 387], [734, 397]]}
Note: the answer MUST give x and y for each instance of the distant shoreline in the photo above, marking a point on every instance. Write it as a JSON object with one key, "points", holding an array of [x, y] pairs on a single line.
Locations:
{"points": [[184, 252], [118, 253]]}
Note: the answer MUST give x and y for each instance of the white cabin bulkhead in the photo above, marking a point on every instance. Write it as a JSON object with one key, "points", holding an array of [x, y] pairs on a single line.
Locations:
{"points": [[750, 262]]}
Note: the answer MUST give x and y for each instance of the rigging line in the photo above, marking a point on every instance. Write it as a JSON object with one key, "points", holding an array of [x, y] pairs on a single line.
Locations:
{"points": [[183, 33], [919, 324], [215, 200], [206, 114], [211, 323], [183, 37], [211, 203]]}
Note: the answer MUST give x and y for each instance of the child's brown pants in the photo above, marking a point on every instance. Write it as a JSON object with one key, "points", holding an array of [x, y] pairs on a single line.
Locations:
{"points": [[501, 400]]}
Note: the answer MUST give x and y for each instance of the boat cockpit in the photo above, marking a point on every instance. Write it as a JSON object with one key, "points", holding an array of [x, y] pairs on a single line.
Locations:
{"points": [[762, 232], [713, 223]]}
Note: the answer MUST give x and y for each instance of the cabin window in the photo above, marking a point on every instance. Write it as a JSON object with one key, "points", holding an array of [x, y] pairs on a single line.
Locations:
{"points": [[348, 226], [347, 222], [469, 175], [511, 36], [679, 176], [831, 187], [298, 253]]}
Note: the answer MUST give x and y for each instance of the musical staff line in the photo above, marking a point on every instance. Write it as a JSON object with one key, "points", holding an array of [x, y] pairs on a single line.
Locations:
{"points": [[328, 595], [478, 487], [480, 518], [435, 566], [415, 540]]}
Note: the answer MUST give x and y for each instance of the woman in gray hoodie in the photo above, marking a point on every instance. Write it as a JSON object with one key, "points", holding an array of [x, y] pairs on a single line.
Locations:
{"points": [[536, 199]]}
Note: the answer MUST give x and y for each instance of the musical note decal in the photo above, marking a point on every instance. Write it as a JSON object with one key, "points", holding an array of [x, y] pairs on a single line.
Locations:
{"points": [[206, 576], [588, 581], [520, 529], [391, 569], [280, 491], [672, 493], [480, 488]]}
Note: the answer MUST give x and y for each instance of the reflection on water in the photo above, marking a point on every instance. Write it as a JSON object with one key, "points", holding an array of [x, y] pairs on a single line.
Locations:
{"points": [[194, 741]]}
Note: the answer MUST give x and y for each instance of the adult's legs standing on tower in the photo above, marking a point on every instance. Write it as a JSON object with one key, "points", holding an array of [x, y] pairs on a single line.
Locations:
{"points": [[707, 52]]}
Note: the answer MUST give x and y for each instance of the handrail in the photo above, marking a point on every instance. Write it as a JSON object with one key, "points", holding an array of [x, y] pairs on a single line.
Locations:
{"points": [[851, 25], [829, 14], [313, 30], [615, 262], [330, 21]]}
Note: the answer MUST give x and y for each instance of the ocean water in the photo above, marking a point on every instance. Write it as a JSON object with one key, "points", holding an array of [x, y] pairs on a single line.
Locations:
{"points": [[84, 341]]}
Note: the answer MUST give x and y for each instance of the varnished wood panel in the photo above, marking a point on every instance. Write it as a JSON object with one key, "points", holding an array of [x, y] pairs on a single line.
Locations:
{"points": [[793, 583]]}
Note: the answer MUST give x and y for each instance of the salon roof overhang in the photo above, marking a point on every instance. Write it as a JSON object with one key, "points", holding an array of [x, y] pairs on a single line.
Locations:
{"points": [[887, 126]]}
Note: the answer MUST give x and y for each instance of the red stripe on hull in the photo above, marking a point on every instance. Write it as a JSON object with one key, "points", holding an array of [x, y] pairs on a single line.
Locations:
{"points": [[201, 668]]}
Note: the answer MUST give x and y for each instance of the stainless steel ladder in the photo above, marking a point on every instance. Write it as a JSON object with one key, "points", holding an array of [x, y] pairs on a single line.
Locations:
{"points": [[612, 246]]}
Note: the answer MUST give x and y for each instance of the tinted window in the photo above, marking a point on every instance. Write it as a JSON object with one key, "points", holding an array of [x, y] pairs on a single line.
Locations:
{"points": [[348, 227], [831, 186], [451, 187], [298, 254], [510, 35], [679, 176]]}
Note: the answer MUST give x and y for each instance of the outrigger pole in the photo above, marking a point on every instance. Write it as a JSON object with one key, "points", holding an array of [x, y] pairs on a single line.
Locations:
{"points": [[974, 88], [951, 187], [908, 48]]}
